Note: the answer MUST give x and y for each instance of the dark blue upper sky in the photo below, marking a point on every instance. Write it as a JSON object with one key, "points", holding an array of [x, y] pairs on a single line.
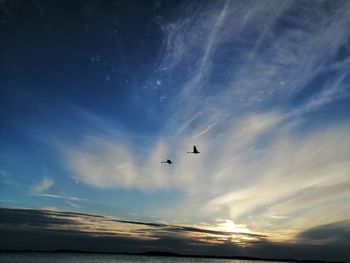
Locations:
{"points": [[96, 94], [95, 55]]}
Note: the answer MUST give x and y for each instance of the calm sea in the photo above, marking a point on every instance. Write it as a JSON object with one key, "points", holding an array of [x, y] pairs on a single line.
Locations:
{"points": [[103, 258]]}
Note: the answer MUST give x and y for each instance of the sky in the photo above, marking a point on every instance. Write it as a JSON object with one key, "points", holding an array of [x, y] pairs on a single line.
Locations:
{"points": [[96, 94]]}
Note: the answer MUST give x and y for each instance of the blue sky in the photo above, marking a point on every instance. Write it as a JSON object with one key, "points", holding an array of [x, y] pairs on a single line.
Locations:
{"points": [[95, 95]]}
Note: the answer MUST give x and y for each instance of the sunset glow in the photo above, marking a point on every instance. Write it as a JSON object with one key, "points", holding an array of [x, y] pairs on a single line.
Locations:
{"points": [[193, 127]]}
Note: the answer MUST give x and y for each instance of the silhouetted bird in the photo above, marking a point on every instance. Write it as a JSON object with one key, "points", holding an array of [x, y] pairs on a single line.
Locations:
{"points": [[194, 150], [168, 162]]}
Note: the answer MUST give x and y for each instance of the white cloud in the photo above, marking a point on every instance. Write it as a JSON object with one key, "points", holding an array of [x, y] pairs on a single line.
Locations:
{"points": [[103, 163], [256, 170], [257, 164], [60, 197], [45, 184], [73, 204]]}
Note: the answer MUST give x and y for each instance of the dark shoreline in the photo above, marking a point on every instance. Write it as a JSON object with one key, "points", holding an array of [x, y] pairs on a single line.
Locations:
{"points": [[170, 254]]}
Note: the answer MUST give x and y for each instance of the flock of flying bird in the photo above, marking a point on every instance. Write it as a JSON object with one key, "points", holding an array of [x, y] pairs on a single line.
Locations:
{"points": [[195, 151]]}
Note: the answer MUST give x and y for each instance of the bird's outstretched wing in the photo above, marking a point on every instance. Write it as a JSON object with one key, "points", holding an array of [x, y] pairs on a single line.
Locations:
{"points": [[195, 149]]}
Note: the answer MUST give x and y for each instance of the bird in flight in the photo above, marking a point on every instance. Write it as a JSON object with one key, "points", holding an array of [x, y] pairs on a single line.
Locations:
{"points": [[168, 161], [195, 151]]}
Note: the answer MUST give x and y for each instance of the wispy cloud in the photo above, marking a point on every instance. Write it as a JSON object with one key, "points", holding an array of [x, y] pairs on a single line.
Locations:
{"points": [[4, 173], [45, 184], [8, 179], [73, 204], [60, 197], [245, 77]]}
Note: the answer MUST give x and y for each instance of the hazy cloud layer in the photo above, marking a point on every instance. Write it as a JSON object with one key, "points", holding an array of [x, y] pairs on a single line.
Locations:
{"points": [[52, 230], [54, 220], [335, 232]]}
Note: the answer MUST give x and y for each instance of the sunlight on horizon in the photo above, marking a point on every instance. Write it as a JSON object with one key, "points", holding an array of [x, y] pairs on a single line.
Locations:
{"points": [[219, 126]]}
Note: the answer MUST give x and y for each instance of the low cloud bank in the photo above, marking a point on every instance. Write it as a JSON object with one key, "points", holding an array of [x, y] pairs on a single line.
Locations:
{"points": [[28, 229]]}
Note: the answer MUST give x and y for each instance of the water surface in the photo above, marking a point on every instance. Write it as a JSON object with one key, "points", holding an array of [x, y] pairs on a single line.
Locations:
{"points": [[105, 258]]}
